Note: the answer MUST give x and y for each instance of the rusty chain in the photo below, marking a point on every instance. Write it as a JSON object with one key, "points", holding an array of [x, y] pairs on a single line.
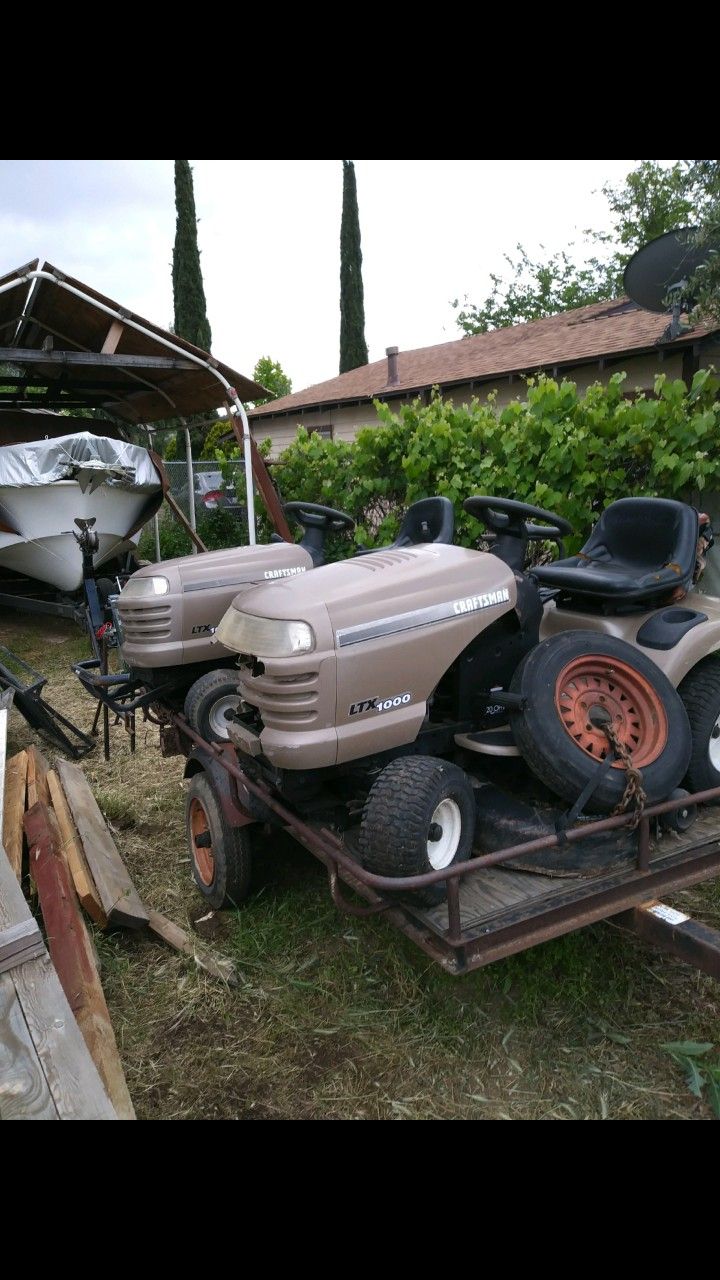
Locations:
{"points": [[633, 788]]}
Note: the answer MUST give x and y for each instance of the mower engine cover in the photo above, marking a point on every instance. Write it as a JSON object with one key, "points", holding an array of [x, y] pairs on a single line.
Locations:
{"points": [[168, 612], [346, 660]]}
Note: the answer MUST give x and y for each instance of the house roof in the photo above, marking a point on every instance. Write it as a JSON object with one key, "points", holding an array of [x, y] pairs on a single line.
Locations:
{"points": [[603, 329], [69, 350]]}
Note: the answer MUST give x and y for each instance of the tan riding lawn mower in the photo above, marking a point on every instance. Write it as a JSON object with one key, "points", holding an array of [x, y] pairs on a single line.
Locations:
{"points": [[166, 617], [383, 696]]}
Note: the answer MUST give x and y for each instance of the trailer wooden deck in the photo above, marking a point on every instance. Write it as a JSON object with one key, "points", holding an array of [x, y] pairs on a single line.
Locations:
{"points": [[495, 896]]}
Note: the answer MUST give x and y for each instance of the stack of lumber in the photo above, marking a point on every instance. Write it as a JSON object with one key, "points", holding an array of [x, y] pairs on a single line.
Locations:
{"points": [[74, 864]]}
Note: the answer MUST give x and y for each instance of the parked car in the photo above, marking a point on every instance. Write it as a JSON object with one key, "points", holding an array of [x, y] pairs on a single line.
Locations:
{"points": [[209, 489], [211, 493]]}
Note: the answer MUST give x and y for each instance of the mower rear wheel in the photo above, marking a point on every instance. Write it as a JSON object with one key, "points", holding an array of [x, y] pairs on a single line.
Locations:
{"points": [[574, 682], [209, 699], [220, 855], [419, 816], [700, 692]]}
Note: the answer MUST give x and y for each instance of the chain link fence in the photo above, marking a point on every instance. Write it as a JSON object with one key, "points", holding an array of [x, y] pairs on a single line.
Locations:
{"points": [[210, 490], [220, 510]]}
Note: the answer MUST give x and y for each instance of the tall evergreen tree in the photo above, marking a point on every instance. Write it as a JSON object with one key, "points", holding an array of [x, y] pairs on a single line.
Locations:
{"points": [[191, 320], [353, 347]]}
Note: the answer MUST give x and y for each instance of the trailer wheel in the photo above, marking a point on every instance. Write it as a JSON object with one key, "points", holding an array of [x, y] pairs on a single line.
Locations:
{"points": [[419, 816], [220, 855], [679, 819], [700, 692], [209, 699], [573, 681]]}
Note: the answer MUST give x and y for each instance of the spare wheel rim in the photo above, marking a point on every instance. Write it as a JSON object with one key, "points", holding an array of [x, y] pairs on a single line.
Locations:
{"points": [[595, 682], [216, 717], [714, 745], [448, 818], [203, 856]]}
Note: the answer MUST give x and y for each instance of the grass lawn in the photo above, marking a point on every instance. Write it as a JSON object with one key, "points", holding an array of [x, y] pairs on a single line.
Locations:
{"points": [[336, 1018]]}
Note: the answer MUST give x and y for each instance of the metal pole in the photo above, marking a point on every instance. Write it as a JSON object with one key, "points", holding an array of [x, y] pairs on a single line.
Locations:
{"points": [[191, 482], [106, 711], [156, 520], [6, 698], [247, 456]]}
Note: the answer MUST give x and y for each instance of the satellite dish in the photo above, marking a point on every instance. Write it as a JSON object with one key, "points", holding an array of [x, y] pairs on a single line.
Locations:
{"points": [[657, 276]]}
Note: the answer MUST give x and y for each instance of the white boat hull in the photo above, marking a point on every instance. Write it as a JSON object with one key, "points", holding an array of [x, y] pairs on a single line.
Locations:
{"points": [[44, 516]]}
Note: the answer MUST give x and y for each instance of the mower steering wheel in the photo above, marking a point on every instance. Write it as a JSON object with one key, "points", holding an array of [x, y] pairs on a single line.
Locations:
{"points": [[313, 516], [505, 515]]}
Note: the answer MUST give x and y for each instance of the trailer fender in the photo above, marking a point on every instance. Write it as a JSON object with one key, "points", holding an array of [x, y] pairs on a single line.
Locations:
{"points": [[235, 801]]}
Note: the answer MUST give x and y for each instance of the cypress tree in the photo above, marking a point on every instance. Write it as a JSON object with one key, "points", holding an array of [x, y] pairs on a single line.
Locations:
{"points": [[353, 348], [191, 320]]}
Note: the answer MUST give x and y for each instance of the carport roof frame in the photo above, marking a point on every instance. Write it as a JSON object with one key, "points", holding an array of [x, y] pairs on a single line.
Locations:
{"points": [[76, 348]]}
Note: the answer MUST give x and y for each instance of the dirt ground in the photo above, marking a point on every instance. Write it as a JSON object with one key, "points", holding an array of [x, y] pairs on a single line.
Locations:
{"points": [[336, 1018]]}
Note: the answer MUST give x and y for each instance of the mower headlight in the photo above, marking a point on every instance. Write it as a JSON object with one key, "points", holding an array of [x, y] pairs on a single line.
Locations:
{"points": [[264, 637], [140, 588]]}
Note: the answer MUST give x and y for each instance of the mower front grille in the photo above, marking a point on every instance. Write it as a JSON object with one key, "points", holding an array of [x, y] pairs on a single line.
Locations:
{"points": [[141, 623], [283, 700]]}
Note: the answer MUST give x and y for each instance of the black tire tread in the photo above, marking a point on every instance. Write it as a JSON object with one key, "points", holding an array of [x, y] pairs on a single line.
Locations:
{"points": [[549, 752], [197, 707], [395, 814], [700, 692]]}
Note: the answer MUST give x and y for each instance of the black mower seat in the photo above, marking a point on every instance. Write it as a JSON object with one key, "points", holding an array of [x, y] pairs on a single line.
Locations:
{"points": [[640, 548], [428, 520]]}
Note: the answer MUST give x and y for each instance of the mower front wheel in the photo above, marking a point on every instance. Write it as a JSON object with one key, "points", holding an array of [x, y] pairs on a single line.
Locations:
{"points": [[220, 855], [419, 816], [208, 701]]}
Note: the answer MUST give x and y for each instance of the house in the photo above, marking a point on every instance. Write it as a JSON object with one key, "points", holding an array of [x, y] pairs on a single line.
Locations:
{"points": [[585, 345]]}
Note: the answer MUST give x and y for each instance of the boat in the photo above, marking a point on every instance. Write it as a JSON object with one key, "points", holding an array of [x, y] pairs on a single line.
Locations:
{"points": [[49, 485]]}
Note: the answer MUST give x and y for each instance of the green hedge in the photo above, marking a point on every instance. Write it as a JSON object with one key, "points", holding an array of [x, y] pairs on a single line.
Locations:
{"points": [[572, 452], [217, 529]]}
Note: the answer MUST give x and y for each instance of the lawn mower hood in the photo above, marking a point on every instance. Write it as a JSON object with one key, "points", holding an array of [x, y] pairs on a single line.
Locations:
{"points": [[345, 661], [168, 612]]}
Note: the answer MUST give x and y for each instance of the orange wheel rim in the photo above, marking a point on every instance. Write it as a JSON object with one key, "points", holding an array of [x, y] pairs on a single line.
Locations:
{"points": [[202, 852], [636, 710]]}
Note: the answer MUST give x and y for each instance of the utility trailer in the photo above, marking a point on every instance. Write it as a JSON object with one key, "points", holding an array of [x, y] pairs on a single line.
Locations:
{"points": [[492, 911]]}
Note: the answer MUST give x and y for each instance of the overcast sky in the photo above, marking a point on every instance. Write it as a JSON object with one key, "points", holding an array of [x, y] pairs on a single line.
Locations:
{"points": [[269, 235]]}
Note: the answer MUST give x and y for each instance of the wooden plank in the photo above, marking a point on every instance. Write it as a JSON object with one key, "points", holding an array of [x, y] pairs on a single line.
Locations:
{"points": [[70, 1072], [24, 1092], [24, 355], [118, 895], [12, 832], [72, 953], [182, 520], [72, 848], [182, 941], [13, 907], [20, 942], [71, 1075], [112, 338], [37, 787]]}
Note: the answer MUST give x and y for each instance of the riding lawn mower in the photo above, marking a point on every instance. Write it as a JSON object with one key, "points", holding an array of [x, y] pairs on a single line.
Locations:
{"points": [[377, 695]]}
